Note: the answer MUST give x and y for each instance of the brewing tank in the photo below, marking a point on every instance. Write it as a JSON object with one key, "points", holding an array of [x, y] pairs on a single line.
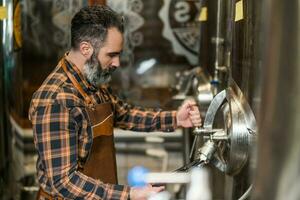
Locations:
{"points": [[278, 162]]}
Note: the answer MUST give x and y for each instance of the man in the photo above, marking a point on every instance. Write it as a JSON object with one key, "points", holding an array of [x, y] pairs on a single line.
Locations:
{"points": [[74, 111]]}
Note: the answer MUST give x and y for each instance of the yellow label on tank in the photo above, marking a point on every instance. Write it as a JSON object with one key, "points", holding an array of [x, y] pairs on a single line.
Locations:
{"points": [[17, 26], [239, 14], [203, 14], [3, 12]]}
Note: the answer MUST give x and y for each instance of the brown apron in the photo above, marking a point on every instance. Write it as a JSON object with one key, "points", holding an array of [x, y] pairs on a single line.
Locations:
{"points": [[101, 163], [102, 160]]}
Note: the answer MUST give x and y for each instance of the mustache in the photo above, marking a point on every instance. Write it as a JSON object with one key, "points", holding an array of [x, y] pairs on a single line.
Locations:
{"points": [[108, 71]]}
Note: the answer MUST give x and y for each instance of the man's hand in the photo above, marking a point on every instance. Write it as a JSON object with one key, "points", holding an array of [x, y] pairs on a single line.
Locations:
{"points": [[188, 115], [143, 193]]}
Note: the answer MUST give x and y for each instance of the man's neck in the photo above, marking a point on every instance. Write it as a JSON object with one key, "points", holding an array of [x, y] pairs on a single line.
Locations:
{"points": [[76, 58]]}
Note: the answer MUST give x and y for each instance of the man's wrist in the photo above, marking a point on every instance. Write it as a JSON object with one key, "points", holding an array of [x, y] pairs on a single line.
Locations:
{"points": [[177, 122]]}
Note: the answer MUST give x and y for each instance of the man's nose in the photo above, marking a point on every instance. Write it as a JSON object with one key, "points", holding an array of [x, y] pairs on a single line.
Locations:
{"points": [[116, 61]]}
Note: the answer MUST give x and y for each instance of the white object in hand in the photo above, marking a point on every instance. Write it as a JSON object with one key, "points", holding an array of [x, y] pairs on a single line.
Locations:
{"points": [[199, 187]]}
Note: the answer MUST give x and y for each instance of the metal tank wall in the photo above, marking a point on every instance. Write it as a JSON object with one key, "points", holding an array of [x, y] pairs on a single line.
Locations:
{"points": [[7, 61], [244, 60], [278, 163], [236, 28], [245, 64], [3, 156], [211, 55], [237, 56], [265, 41]]}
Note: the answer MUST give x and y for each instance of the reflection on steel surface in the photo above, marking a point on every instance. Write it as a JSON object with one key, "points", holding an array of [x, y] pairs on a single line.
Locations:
{"points": [[204, 155], [237, 133], [197, 81]]}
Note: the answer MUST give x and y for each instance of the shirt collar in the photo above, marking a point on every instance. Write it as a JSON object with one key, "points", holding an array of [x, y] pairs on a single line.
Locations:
{"points": [[76, 73]]}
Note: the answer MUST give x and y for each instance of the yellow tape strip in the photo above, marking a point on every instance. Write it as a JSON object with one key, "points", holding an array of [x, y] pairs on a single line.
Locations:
{"points": [[203, 14], [239, 14], [3, 12]]}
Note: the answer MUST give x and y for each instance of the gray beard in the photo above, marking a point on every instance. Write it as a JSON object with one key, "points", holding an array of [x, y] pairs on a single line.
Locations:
{"points": [[94, 73]]}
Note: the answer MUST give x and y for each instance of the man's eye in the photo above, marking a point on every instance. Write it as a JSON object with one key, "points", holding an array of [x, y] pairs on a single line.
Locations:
{"points": [[113, 55]]}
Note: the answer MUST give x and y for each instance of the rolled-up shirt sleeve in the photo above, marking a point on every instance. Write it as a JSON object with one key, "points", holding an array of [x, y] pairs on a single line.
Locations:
{"points": [[56, 135], [142, 119]]}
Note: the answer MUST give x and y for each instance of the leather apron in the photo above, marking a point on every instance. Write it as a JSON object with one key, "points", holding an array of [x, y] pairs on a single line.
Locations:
{"points": [[101, 163]]}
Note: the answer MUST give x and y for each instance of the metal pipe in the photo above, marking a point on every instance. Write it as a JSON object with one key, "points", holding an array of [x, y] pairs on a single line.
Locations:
{"points": [[167, 177], [246, 194], [218, 41], [228, 38]]}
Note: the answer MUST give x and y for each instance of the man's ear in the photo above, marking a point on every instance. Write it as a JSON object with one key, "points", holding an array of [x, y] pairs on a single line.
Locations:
{"points": [[86, 49]]}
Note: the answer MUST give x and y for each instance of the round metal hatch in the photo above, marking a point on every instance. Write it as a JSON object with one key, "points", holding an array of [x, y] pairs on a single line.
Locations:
{"points": [[239, 128]]}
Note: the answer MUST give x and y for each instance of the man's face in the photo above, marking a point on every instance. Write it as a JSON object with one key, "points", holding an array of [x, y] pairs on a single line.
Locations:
{"points": [[99, 68]]}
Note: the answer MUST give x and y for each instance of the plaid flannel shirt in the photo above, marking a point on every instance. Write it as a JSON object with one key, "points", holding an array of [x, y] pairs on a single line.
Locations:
{"points": [[63, 135]]}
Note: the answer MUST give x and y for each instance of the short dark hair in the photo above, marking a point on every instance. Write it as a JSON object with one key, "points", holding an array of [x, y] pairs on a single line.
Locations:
{"points": [[91, 24]]}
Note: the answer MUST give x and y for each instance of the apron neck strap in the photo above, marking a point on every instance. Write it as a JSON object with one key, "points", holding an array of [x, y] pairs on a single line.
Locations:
{"points": [[87, 99]]}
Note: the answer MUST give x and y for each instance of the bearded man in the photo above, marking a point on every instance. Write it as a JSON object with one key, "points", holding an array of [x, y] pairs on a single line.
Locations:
{"points": [[74, 111]]}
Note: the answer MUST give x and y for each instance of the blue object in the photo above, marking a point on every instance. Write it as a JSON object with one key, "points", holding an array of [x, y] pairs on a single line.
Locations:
{"points": [[214, 82], [137, 176]]}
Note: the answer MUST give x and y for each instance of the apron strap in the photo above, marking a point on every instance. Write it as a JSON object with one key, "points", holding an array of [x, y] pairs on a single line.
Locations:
{"points": [[75, 83]]}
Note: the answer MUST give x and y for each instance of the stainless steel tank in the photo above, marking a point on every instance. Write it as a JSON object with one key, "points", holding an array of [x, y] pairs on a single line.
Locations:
{"points": [[278, 163], [236, 27], [3, 156]]}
